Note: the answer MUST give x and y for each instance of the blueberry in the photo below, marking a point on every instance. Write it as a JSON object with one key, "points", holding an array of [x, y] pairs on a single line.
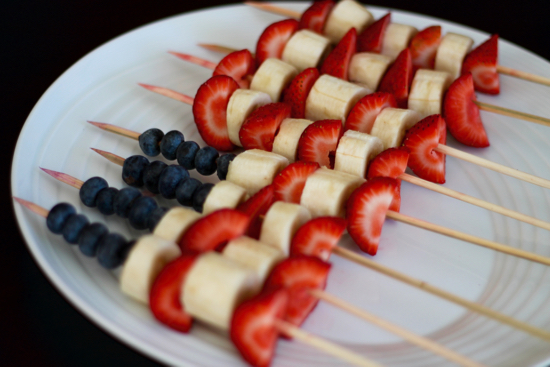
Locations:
{"points": [[112, 250], [106, 200], [89, 238], [205, 161], [186, 189], [170, 143], [132, 170], [124, 200], [141, 211], [223, 165], [169, 180], [200, 196], [151, 176], [149, 142], [73, 228], [57, 217], [90, 189], [155, 217], [186, 154]]}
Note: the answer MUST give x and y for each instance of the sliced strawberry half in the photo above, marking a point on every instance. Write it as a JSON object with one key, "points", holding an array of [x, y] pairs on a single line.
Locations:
{"points": [[421, 140], [315, 17], [209, 111], [337, 61], [239, 65], [318, 237], [363, 114], [391, 162], [273, 40], [366, 212], [398, 78], [318, 142], [164, 298], [424, 46], [482, 63], [462, 114], [290, 182], [259, 129], [371, 39], [296, 93], [256, 206]]}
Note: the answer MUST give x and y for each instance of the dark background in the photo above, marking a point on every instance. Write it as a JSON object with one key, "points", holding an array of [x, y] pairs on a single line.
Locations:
{"points": [[40, 40]]}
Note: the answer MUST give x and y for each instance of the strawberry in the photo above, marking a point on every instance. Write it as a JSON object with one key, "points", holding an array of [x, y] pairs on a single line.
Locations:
{"points": [[298, 275], [363, 114], [214, 230], [259, 129], [273, 39], [424, 46], [318, 142], [296, 93], [337, 61], [318, 237], [316, 15], [256, 206], [290, 182], [164, 298], [482, 63], [209, 111], [421, 140], [366, 212], [371, 39], [253, 329], [239, 65], [398, 78], [462, 114]]}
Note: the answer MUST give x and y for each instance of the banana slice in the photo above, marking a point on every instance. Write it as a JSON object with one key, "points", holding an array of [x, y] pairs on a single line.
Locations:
{"points": [[272, 77], [427, 91], [392, 124], [451, 52], [146, 259], [367, 69], [224, 194], [345, 15], [175, 222], [286, 140], [397, 38], [306, 49], [354, 152], [241, 104]]}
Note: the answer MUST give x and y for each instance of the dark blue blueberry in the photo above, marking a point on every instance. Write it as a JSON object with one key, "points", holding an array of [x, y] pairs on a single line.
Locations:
{"points": [[89, 238], [155, 217], [132, 170], [151, 176], [73, 228], [200, 196], [106, 200], [90, 189], [57, 217], [186, 189], [170, 143], [149, 142], [223, 165], [205, 161], [124, 200], [112, 250], [141, 211], [186, 154], [170, 177]]}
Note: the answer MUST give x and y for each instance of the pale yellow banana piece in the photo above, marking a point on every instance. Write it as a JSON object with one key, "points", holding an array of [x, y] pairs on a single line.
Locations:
{"points": [[392, 124], [397, 38], [367, 69], [224, 194], [286, 140], [272, 77], [451, 52], [175, 222], [241, 104], [354, 152], [427, 91], [345, 15], [306, 49]]}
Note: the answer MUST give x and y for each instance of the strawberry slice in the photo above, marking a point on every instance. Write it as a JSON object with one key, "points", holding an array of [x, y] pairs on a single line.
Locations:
{"points": [[209, 111], [363, 114], [318, 142], [316, 15], [256, 206], [421, 140], [298, 275], [274, 38], [424, 46], [371, 39], [318, 237], [259, 129], [253, 329], [290, 182], [366, 212], [398, 78], [482, 63], [462, 114], [164, 298], [337, 61], [297, 91], [239, 65], [214, 230]]}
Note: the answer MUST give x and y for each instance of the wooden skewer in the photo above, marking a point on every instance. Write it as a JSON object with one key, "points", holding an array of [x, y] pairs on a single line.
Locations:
{"points": [[274, 9], [195, 60], [32, 207], [523, 75]]}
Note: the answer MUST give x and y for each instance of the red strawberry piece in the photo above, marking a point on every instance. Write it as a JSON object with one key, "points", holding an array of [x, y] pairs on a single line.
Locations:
{"points": [[363, 114], [424, 46], [318, 237], [274, 38], [259, 129], [318, 142], [462, 114], [209, 111], [239, 65], [290, 182], [299, 275], [256, 206], [297, 91], [164, 298], [371, 39], [316, 15], [214, 230], [421, 140], [482, 63], [398, 78], [253, 326], [366, 212], [337, 61]]}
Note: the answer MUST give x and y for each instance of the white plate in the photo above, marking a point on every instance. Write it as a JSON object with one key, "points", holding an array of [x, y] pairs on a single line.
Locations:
{"points": [[103, 87]]}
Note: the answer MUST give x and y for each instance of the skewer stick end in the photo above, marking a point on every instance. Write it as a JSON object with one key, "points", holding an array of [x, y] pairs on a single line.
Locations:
{"points": [[65, 178], [110, 156], [32, 207]]}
